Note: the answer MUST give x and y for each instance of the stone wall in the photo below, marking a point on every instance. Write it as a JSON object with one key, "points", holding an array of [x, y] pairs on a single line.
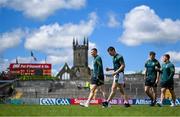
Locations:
{"points": [[134, 88]]}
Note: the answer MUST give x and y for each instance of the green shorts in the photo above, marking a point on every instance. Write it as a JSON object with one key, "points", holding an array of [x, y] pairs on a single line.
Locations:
{"points": [[167, 85], [97, 81], [150, 83]]}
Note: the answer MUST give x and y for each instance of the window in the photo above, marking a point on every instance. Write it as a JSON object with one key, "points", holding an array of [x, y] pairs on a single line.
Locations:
{"points": [[66, 76]]}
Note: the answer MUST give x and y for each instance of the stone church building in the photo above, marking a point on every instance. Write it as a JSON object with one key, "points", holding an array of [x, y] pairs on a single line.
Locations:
{"points": [[80, 69]]}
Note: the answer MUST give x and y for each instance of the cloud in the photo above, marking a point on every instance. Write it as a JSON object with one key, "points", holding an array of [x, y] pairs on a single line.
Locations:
{"points": [[41, 9], [55, 40], [174, 56], [91, 46], [60, 57], [24, 60], [143, 25], [64, 55], [4, 64], [113, 22], [11, 39]]}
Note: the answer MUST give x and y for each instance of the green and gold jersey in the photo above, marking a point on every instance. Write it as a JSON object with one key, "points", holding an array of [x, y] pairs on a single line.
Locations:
{"points": [[118, 61], [168, 71], [151, 72], [97, 67]]}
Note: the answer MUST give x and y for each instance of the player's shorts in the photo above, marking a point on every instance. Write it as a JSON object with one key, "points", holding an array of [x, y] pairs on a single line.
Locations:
{"points": [[97, 81], [150, 83], [168, 85], [119, 78]]}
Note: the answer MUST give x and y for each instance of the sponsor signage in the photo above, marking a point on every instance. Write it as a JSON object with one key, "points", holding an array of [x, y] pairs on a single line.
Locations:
{"points": [[76, 101], [30, 69], [14, 101], [148, 101], [33, 66], [141, 101], [55, 101], [168, 102], [178, 101], [115, 101], [119, 101]]}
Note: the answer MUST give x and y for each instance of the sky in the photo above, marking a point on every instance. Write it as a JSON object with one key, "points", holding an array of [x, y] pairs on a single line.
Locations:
{"points": [[47, 28]]}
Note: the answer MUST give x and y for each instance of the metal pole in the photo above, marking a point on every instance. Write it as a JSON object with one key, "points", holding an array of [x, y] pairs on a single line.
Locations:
{"points": [[136, 92]]}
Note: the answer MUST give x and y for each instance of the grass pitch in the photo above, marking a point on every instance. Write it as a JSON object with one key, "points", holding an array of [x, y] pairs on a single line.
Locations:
{"points": [[115, 110]]}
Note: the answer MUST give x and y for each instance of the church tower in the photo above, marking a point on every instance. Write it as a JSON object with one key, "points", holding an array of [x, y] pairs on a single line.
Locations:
{"points": [[80, 69], [80, 59], [80, 53]]}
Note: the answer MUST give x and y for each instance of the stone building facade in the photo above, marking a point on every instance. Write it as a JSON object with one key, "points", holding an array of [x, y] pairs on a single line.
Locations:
{"points": [[80, 69]]}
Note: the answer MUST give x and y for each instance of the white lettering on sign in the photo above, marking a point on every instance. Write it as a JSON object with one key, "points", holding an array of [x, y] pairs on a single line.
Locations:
{"points": [[54, 101], [142, 101], [77, 101]]}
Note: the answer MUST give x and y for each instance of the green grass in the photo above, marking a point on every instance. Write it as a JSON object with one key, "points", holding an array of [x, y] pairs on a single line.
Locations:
{"points": [[38, 110]]}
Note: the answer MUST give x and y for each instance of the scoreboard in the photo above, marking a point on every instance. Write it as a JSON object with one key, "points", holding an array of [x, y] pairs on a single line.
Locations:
{"points": [[30, 69]]}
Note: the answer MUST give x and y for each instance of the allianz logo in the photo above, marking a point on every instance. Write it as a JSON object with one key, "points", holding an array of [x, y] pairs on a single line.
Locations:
{"points": [[148, 101], [54, 101], [142, 101]]}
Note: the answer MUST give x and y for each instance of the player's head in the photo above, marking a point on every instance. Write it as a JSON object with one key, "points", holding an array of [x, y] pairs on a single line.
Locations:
{"points": [[152, 55], [166, 57], [94, 52], [111, 50]]}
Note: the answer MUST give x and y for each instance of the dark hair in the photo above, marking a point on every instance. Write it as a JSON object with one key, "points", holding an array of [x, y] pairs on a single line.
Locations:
{"points": [[152, 53], [94, 49], [111, 49], [167, 56]]}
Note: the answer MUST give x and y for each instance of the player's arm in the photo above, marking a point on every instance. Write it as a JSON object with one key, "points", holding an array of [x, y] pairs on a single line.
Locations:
{"points": [[158, 68], [121, 68], [145, 73], [158, 72], [145, 70], [99, 67], [158, 77]]}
